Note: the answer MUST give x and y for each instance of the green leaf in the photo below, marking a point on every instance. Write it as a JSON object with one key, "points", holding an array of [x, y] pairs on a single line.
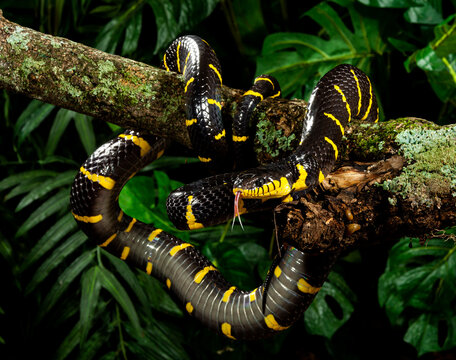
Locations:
{"points": [[173, 18], [247, 25], [93, 343], [109, 37], [57, 257], [25, 176], [90, 290], [297, 59], [193, 12], [253, 252], [438, 60], [230, 260], [45, 187], [164, 186], [170, 162], [331, 308], [6, 251], [58, 9], [85, 130], [421, 278], [107, 10], [167, 24], [113, 355], [445, 37], [132, 33], [64, 280], [427, 12], [31, 118], [158, 342], [137, 200], [6, 107], [54, 204], [109, 282], [69, 343], [25, 187], [389, 3], [61, 121], [159, 298], [56, 232], [424, 333], [131, 279], [401, 45]]}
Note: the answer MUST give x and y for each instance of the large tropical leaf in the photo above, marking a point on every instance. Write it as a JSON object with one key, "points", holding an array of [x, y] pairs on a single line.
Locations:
{"points": [[418, 11], [299, 58], [438, 60], [418, 289], [331, 308]]}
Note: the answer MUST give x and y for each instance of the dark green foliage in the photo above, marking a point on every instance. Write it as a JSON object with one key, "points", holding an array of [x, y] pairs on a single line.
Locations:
{"points": [[64, 298], [331, 309], [418, 288], [296, 56]]}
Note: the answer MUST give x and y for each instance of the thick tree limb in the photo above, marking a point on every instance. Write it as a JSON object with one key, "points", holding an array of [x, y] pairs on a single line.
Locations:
{"points": [[405, 185], [417, 193], [108, 87]]}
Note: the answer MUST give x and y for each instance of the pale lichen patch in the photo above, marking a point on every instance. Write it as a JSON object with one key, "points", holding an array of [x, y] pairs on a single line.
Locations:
{"points": [[30, 65], [122, 86], [106, 79], [69, 88], [431, 173], [18, 39], [56, 44]]}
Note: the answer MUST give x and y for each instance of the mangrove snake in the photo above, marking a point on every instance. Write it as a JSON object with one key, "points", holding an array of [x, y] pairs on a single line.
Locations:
{"points": [[344, 93]]}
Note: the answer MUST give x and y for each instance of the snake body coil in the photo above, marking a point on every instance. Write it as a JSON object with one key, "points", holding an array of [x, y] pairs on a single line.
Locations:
{"points": [[295, 276]]}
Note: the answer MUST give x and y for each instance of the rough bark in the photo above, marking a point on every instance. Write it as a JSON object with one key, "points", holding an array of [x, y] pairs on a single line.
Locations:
{"points": [[108, 87], [376, 192], [397, 178]]}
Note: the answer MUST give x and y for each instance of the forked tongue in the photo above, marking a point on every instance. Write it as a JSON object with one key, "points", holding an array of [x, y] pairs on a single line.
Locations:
{"points": [[236, 210]]}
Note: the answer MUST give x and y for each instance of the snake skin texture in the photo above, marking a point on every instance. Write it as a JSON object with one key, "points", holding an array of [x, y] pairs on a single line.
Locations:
{"points": [[295, 276]]}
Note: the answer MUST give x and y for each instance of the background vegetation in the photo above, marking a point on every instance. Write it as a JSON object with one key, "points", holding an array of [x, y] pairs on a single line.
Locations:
{"points": [[63, 298]]}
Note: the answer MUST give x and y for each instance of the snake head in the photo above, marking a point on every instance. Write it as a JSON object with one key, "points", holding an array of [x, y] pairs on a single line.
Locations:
{"points": [[264, 182]]}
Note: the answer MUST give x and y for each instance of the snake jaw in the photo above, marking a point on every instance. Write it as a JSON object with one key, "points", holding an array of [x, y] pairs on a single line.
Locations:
{"points": [[237, 214]]}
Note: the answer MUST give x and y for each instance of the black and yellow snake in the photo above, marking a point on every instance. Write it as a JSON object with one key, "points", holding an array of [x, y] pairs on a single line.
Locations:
{"points": [[344, 93]]}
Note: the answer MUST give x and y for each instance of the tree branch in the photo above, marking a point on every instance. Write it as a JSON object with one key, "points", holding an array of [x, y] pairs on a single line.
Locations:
{"points": [[108, 87], [405, 185], [417, 192]]}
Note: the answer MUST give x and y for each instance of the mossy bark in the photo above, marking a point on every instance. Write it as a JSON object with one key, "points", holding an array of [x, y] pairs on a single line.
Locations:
{"points": [[352, 209], [108, 87], [395, 178]]}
